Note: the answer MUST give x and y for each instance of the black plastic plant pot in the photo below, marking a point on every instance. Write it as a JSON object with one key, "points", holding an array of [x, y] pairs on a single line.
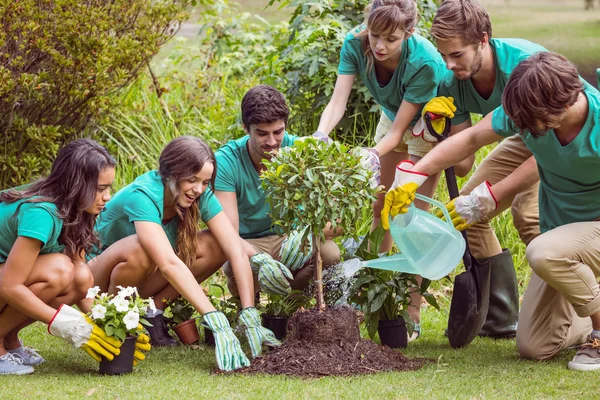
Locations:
{"points": [[209, 338], [393, 333], [123, 363], [277, 325]]}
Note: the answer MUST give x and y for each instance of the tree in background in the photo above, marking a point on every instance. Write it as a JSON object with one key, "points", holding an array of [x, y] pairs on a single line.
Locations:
{"points": [[61, 62]]}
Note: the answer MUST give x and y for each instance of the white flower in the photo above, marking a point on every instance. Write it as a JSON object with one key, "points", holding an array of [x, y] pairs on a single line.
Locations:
{"points": [[126, 291], [120, 303], [151, 305], [131, 319], [98, 311], [103, 296], [92, 292]]}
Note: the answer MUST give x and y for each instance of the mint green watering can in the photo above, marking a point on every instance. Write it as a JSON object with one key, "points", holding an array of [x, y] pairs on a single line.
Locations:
{"points": [[429, 246]]}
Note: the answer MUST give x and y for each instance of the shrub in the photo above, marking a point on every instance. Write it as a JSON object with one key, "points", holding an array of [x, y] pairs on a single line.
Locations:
{"points": [[60, 64]]}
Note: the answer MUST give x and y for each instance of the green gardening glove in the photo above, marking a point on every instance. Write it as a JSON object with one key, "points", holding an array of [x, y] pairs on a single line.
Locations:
{"points": [[255, 332], [291, 254], [271, 274], [227, 347]]}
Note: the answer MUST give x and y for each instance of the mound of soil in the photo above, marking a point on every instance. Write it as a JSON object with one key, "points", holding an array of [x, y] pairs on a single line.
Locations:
{"points": [[328, 343]]}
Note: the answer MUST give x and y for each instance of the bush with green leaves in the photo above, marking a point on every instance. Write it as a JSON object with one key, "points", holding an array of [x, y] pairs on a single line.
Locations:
{"points": [[60, 65], [284, 306], [312, 184], [306, 64], [178, 311]]}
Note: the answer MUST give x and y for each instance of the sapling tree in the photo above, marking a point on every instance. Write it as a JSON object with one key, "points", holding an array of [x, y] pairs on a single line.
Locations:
{"points": [[312, 184]]}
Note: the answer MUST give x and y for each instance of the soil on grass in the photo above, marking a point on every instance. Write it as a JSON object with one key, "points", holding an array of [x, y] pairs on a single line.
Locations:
{"points": [[328, 343]]}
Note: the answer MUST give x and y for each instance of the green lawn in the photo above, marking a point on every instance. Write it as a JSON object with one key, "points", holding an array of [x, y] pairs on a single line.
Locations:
{"points": [[485, 369]]}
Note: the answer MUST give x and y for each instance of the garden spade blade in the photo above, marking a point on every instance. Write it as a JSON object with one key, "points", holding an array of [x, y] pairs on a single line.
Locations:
{"points": [[471, 295]]}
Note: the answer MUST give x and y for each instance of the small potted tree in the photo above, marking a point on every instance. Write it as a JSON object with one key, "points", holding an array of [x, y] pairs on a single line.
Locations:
{"points": [[119, 316], [180, 316], [278, 309], [312, 184]]}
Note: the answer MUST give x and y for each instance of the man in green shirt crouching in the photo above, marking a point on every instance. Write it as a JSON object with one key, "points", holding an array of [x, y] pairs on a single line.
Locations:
{"points": [[238, 188]]}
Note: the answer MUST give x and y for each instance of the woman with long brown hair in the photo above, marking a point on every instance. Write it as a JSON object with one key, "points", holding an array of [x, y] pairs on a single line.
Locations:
{"points": [[45, 231], [151, 240]]}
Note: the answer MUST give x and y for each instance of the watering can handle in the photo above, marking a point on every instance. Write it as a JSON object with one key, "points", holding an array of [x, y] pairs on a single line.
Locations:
{"points": [[438, 205]]}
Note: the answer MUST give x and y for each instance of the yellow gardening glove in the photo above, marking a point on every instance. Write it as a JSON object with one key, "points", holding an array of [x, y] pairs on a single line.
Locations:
{"points": [[402, 193], [141, 344], [79, 330], [467, 210], [443, 106]]}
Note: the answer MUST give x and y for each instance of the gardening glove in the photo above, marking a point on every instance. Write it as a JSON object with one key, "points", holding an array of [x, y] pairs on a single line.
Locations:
{"points": [[291, 255], [369, 159], [441, 106], [255, 332], [472, 208], [271, 274], [227, 347], [141, 344], [79, 330], [322, 137], [402, 193]]}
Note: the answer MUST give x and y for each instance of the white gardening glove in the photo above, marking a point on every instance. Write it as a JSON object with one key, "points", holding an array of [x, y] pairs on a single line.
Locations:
{"points": [[79, 330], [322, 137], [466, 211], [402, 193], [369, 159]]}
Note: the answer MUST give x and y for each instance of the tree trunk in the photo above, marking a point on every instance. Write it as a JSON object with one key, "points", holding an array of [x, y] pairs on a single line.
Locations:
{"points": [[318, 272]]}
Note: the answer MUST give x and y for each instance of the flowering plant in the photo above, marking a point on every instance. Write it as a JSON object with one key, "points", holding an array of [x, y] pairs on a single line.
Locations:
{"points": [[178, 310], [119, 315]]}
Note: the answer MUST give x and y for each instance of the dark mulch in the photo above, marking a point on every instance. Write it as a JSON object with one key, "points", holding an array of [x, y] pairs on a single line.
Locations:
{"points": [[328, 343]]}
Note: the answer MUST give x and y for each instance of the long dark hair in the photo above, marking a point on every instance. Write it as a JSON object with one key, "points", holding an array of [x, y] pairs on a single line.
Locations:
{"points": [[183, 158], [71, 186]]}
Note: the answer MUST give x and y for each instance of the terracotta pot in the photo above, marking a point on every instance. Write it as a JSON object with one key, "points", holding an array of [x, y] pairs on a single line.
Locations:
{"points": [[123, 363], [393, 333], [209, 338], [278, 325], [187, 332]]}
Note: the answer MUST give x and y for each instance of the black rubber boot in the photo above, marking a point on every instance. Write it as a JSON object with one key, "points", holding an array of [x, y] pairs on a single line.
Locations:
{"points": [[159, 333], [503, 313]]}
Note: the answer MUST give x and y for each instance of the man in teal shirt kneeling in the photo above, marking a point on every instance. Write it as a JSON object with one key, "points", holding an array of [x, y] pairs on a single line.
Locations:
{"points": [[238, 188]]}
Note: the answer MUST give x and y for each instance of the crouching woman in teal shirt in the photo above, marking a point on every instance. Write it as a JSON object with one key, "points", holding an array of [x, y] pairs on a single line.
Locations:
{"points": [[150, 240], [45, 230]]}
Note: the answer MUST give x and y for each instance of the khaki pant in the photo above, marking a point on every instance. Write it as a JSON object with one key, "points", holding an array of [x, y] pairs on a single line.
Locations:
{"points": [[500, 163], [330, 253], [563, 291], [410, 144]]}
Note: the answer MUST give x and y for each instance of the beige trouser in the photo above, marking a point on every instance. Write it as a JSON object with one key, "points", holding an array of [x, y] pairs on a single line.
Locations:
{"points": [[410, 144], [330, 253], [563, 291], [500, 163]]}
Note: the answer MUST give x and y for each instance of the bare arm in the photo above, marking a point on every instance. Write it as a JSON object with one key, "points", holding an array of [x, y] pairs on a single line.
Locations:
{"points": [[228, 201], [464, 167], [14, 275], [406, 113], [520, 179], [458, 147], [154, 240], [225, 234], [336, 107]]}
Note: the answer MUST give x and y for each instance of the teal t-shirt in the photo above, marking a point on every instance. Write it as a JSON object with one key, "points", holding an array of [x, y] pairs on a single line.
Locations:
{"points": [[415, 80], [34, 220], [236, 173], [569, 175], [507, 54], [143, 200]]}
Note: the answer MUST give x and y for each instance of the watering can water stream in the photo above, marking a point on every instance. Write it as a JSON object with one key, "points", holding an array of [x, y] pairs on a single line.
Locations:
{"points": [[429, 246]]}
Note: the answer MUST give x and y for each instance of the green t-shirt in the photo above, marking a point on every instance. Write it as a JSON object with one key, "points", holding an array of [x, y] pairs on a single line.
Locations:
{"points": [[415, 80], [143, 200], [34, 220], [507, 54], [569, 175], [236, 173]]}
